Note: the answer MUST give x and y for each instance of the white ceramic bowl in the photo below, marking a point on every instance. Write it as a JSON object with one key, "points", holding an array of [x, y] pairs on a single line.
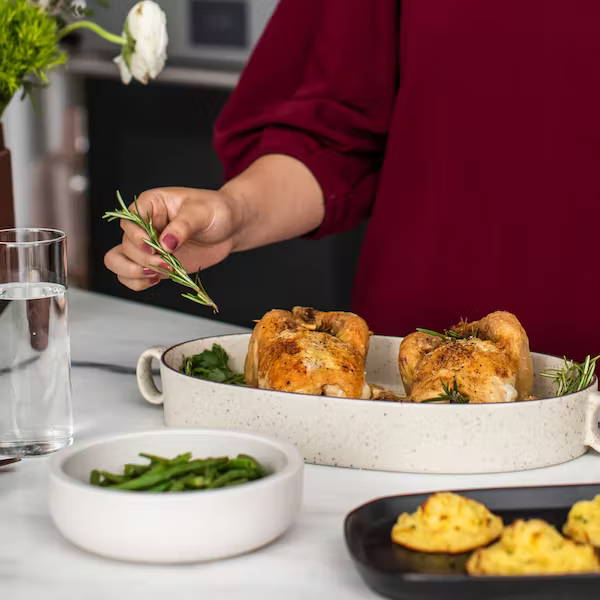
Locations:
{"points": [[393, 436], [177, 527]]}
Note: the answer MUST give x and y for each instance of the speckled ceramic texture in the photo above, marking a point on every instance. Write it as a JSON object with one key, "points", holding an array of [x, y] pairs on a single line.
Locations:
{"points": [[391, 436]]}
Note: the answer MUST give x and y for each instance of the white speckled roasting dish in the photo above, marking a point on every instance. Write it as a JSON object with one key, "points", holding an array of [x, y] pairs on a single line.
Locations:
{"points": [[391, 436]]}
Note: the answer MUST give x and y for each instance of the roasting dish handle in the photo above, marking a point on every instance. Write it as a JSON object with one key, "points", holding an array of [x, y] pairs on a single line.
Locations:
{"points": [[144, 375], [592, 428]]}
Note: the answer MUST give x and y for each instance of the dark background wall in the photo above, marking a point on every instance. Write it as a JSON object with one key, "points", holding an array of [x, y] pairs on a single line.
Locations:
{"points": [[161, 135]]}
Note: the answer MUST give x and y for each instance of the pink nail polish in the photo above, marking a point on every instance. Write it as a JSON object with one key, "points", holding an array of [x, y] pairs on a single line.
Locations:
{"points": [[170, 242], [149, 272], [154, 281], [164, 266], [147, 249]]}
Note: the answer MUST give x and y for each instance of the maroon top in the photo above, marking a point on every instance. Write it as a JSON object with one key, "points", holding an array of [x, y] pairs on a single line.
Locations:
{"points": [[469, 131]]}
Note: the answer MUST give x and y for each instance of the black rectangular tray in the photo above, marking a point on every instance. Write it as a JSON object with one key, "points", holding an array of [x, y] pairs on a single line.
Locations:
{"points": [[396, 572]]}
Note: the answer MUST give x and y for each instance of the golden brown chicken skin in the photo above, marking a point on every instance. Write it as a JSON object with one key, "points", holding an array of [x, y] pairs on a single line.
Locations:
{"points": [[491, 364], [506, 332], [309, 352]]}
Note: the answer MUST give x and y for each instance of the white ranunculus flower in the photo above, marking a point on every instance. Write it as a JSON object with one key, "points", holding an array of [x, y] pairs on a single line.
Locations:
{"points": [[145, 52]]}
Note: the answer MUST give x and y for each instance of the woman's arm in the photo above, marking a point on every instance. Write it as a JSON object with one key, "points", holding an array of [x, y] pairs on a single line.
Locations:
{"points": [[274, 199], [280, 200], [302, 140]]}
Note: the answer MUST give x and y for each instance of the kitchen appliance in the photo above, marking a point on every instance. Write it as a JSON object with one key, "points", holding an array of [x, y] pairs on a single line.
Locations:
{"points": [[200, 31]]}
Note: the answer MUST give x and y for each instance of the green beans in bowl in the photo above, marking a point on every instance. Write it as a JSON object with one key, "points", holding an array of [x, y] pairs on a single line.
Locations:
{"points": [[180, 474], [239, 491]]}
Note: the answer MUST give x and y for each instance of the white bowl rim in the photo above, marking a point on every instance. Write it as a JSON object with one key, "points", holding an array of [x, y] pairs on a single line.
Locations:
{"points": [[294, 459], [379, 402]]}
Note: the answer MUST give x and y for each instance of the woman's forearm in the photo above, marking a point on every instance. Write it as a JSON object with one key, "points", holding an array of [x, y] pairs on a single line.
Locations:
{"points": [[277, 198]]}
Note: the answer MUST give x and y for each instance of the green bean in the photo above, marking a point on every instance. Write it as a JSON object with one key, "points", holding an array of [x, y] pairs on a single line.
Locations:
{"points": [[185, 457], [228, 476], [195, 482], [113, 478], [248, 462], [176, 485], [162, 472], [95, 477], [159, 487], [181, 458], [181, 473], [131, 470], [155, 459], [242, 462]]}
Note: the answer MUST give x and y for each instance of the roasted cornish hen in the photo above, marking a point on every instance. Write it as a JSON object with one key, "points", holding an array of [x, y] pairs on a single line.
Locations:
{"points": [[309, 352], [483, 361]]}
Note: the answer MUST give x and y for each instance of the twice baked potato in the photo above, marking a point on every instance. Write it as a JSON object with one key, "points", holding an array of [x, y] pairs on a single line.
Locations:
{"points": [[447, 523]]}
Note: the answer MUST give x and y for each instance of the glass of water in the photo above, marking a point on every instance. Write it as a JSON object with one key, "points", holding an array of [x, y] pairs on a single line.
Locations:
{"points": [[35, 382]]}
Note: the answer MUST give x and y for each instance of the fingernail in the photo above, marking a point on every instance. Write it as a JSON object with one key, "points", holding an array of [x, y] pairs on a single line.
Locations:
{"points": [[170, 242], [147, 249], [154, 281], [149, 272], [164, 266]]}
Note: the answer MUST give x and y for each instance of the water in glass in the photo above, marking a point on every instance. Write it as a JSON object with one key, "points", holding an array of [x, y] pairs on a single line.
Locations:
{"points": [[35, 389]]}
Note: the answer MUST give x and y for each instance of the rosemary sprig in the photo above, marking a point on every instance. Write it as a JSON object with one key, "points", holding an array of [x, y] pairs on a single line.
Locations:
{"points": [[177, 273], [448, 334], [449, 394], [572, 376]]}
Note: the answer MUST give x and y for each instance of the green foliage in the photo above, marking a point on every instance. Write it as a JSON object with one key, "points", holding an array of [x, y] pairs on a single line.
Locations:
{"points": [[212, 364], [572, 376], [450, 394], [28, 47]]}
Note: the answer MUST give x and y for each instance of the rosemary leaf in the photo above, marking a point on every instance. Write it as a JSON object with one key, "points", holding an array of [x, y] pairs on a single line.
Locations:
{"points": [[176, 271], [572, 376], [448, 334], [449, 394]]}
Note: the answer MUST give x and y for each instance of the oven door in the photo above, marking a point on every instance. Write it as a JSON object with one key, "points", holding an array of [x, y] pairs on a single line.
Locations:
{"points": [[161, 135]]}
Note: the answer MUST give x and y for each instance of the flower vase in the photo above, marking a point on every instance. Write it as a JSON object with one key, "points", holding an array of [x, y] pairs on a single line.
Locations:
{"points": [[7, 215]]}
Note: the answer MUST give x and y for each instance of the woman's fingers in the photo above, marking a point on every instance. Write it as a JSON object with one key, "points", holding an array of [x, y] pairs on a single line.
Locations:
{"points": [[203, 216], [126, 269], [179, 215], [197, 226], [137, 254], [152, 206]]}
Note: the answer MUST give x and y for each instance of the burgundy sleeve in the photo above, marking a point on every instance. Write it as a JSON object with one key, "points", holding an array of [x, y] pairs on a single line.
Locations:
{"points": [[320, 86]]}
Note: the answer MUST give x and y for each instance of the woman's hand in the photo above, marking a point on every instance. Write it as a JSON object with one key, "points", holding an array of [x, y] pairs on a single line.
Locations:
{"points": [[276, 198], [198, 226]]}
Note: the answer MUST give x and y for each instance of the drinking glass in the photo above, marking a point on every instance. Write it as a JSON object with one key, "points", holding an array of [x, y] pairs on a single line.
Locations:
{"points": [[35, 381]]}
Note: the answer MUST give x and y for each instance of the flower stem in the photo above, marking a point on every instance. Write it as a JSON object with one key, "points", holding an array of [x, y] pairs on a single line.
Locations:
{"points": [[109, 37]]}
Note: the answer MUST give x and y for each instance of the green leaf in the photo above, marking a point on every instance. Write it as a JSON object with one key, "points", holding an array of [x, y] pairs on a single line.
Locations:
{"points": [[449, 334], [213, 365], [572, 376], [449, 394], [28, 47]]}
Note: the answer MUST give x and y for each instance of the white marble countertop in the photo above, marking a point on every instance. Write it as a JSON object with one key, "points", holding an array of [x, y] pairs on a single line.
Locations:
{"points": [[310, 561]]}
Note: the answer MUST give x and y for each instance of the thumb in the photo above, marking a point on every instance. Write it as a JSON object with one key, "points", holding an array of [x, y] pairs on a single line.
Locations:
{"points": [[191, 220]]}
